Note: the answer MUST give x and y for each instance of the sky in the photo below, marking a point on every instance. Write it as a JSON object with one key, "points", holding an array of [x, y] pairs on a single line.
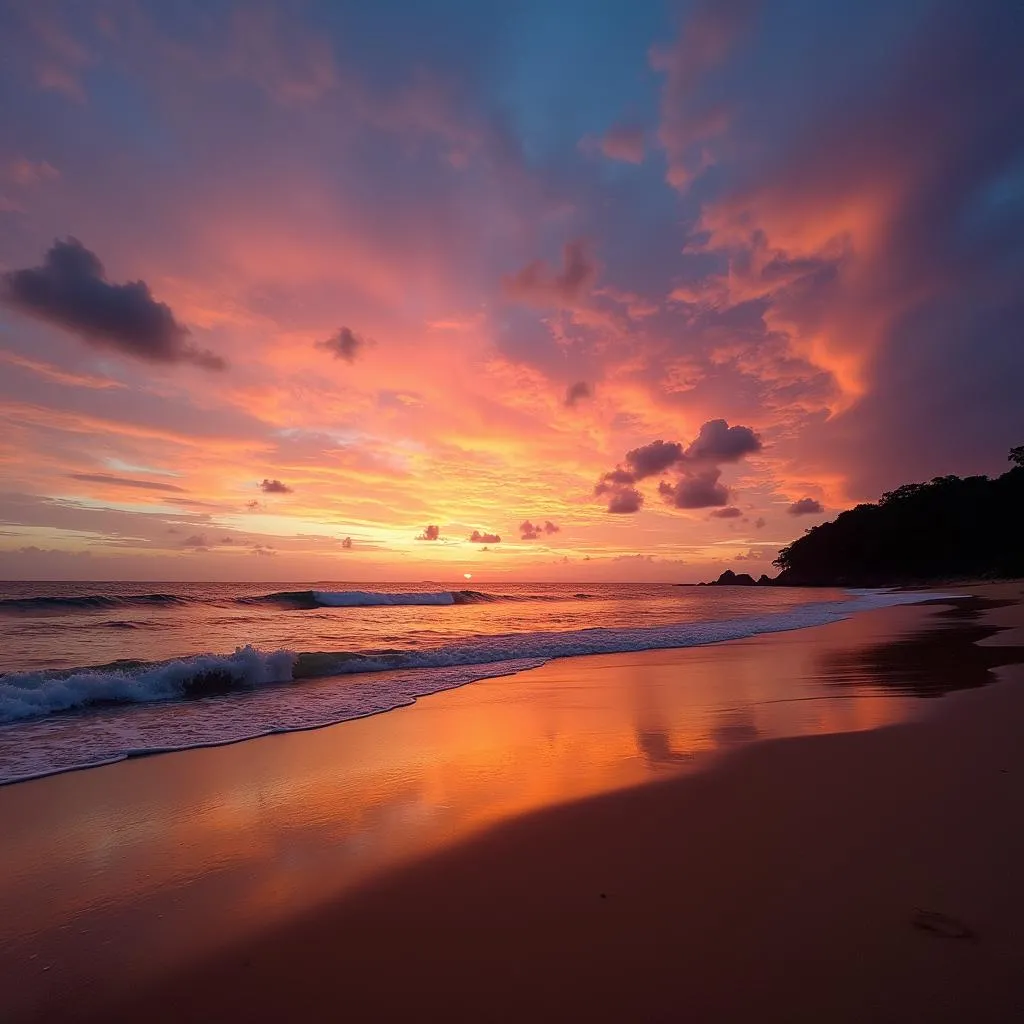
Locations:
{"points": [[587, 290]]}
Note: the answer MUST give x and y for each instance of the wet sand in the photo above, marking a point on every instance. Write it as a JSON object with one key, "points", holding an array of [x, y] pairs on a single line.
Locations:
{"points": [[324, 875]]}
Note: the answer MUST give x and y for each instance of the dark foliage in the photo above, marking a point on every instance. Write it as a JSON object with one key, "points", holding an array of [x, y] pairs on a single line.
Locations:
{"points": [[949, 528]]}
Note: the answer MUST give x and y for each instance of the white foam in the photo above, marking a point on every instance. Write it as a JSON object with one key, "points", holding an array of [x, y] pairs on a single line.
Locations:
{"points": [[35, 694]]}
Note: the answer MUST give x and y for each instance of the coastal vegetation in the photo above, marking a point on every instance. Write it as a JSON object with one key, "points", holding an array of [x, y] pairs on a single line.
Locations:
{"points": [[951, 527]]}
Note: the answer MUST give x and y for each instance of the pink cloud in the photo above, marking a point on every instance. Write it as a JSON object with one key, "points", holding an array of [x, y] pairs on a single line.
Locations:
{"points": [[624, 142]]}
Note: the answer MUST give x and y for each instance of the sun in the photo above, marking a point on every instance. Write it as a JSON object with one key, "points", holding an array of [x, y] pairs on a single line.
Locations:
{"points": [[468, 575]]}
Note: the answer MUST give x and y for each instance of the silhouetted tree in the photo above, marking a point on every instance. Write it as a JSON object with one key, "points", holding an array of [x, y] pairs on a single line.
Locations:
{"points": [[950, 527]]}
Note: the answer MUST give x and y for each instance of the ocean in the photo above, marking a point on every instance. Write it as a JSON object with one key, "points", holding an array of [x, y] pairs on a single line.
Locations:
{"points": [[95, 673]]}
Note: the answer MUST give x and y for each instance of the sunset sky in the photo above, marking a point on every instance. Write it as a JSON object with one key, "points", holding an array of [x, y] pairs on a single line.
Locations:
{"points": [[349, 291]]}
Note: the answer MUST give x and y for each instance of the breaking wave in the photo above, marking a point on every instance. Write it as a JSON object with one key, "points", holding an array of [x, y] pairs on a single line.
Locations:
{"points": [[36, 694]]}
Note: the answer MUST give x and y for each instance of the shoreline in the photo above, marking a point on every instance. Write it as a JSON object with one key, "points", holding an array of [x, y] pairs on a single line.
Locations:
{"points": [[493, 783], [827, 612]]}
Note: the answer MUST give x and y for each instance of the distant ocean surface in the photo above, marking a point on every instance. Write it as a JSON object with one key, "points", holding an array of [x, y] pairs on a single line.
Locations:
{"points": [[94, 673]]}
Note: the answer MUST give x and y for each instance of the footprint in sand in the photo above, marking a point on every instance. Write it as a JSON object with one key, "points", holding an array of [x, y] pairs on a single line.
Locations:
{"points": [[941, 925]]}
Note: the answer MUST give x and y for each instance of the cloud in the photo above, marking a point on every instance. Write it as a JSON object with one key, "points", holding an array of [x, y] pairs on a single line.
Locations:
{"points": [[718, 442], [697, 464], [344, 344], [759, 523], [347, 543], [653, 458], [729, 512], [577, 392], [538, 285], [70, 290], [613, 479], [531, 531], [476, 537], [197, 540], [884, 252], [273, 487], [625, 500], [430, 533], [30, 172], [120, 481], [689, 118], [624, 142], [253, 506], [757, 555], [696, 490], [805, 507]]}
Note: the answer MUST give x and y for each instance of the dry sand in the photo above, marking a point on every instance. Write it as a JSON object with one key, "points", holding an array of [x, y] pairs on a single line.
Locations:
{"points": [[875, 876]]}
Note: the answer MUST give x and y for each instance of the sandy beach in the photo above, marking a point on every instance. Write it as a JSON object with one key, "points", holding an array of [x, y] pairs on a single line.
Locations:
{"points": [[535, 849]]}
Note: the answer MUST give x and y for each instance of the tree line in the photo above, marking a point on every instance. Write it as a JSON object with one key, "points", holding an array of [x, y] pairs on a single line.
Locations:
{"points": [[948, 528]]}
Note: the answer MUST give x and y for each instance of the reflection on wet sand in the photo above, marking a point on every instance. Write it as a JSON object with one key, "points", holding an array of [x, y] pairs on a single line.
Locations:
{"points": [[945, 653], [161, 860]]}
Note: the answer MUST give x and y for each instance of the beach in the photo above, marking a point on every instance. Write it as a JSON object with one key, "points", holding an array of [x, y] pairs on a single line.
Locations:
{"points": [[561, 844]]}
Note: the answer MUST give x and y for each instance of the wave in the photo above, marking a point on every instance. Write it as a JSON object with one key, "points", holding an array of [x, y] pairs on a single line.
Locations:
{"points": [[85, 602], [310, 599], [36, 694], [39, 694], [302, 600]]}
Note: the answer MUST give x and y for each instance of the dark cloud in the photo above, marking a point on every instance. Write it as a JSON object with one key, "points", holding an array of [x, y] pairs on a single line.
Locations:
{"points": [[759, 523], [653, 458], [625, 500], [577, 393], [70, 290], [697, 464], [344, 344], [347, 543], [476, 537], [538, 285], [273, 487], [715, 443], [718, 442], [121, 481], [701, 489], [614, 479], [805, 507], [430, 533], [729, 512], [253, 506], [227, 540], [531, 531], [197, 540]]}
